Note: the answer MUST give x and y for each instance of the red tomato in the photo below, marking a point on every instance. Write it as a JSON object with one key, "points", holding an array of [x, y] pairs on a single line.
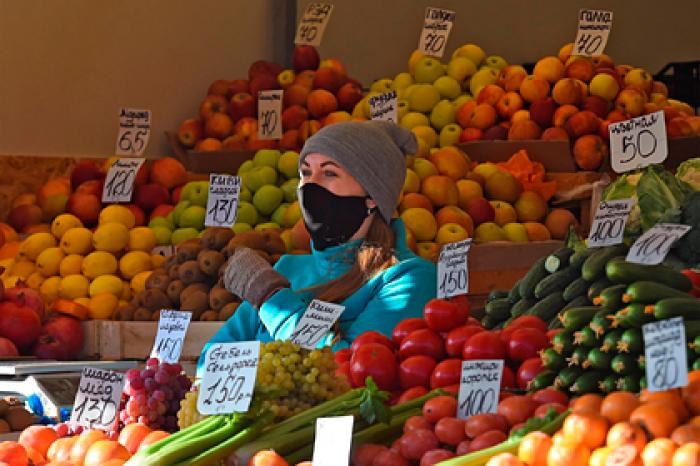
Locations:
{"points": [[527, 371], [474, 321], [451, 389], [443, 316], [550, 395], [414, 371], [377, 361], [412, 393], [457, 337], [462, 301], [371, 336], [422, 341], [450, 431], [441, 406], [463, 447], [507, 378], [446, 373], [343, 370], [405, 327], [517, 409], [433, 457], [551, 333], [503, 395], [543, 409], [342, 355], [480, 423], [415, 443], [390, 458], [693, 275], [487, 439], [484, 345], [523, 322], [416, 422], [364, 454], [526, 343]]}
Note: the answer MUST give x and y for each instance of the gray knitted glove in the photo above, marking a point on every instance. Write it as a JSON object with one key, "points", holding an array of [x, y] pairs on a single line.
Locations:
{"points": [[251, 278]]}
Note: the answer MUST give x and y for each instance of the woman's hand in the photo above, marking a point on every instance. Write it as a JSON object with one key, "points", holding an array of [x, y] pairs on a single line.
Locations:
{"points": [[250, 277]]}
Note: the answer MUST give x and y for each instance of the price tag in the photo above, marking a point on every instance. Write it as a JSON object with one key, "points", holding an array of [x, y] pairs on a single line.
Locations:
{"points": [[452, 269], [479, 387], [665, 354], [436, 30], [593, 31], [97, 401], [119, 182], [332, 442], [134, 131], [313, 24], [638, 142], [229, 377], [172, 328], [651, 248], [270, 114], [384, 107], [166, 250], [222, 201], [608, 226], [316, 322]]}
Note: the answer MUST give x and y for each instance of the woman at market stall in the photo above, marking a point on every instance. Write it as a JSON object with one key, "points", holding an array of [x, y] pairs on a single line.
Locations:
{"points": [[351, 174]]}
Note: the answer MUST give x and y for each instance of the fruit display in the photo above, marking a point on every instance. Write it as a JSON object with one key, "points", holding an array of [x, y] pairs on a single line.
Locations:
{"points": [[14, 417], [316, 93]]}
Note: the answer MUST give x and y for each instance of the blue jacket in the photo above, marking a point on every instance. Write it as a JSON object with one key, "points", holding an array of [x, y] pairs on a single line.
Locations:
{"points": [[394, 294]]}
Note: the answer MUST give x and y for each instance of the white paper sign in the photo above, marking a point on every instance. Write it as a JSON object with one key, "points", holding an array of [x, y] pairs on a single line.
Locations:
{"points": [[165, 250], [384, 107], [608, 226], [270, 114], [332, 442], [229, 377], [134, 131], [97, 401], [119, 182], [665, 354], [313, 24], [651, 248], [172, 329], [452, 269], [479, 387], [436, 30], [638, 142], [316, 322], [222, 200], [593, 31]]}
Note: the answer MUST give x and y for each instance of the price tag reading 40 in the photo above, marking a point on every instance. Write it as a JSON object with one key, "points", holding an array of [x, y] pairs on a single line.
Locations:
{"points": [[134, 131], [172, 329], [665, 354], [97, 401], [452, 269], [332, 442], [313, 24], [384, 107], [119, 183], [479, 387], [436, 30], [270, 114], [229, 377], [609, 223], [638, 142], [222, 202], [316, 322], [593, 31], [651, 248]]}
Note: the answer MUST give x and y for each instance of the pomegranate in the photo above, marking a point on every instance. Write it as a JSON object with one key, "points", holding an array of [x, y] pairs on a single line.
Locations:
{"points": [[25, 296], [19, 324], [7, 348], [61, 338]]}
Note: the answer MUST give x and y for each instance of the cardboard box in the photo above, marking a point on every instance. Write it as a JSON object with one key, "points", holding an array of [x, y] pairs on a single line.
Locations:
{"points": [[223, 161]]}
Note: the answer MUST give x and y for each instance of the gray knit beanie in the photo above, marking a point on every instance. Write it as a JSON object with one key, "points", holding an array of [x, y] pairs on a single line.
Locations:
{"points": [[373, 152]]}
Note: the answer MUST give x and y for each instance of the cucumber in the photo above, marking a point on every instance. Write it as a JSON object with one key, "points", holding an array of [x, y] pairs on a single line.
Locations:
{"points": [[587, 382], [635, 315], [548, 307], [522, 306], [489, 322], [578, 356], [577, 302], [608, 384], [631, 341], [552, 360], [688, 308], [587, 337], [577, 317], [610, 341], [554, 323], [567, 377], [558, 260], [542, 380], [624, 364], [597, 359], [601, 322], [594, 267], [641, 363], [696, 365], [696, 345], [629, 383], [579, 257], [498, 309], [577, 288], [627, 272], [563, 342], [514, 293], [536, 274], [557, 281], [650, 292], [611, 297], [496, 294], [692, 329], [597, 287]]}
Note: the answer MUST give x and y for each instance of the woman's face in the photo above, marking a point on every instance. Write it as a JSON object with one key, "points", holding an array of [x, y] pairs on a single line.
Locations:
{"points": [[324, 171]]}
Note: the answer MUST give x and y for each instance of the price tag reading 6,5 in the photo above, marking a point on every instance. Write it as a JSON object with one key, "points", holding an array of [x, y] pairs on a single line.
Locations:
{"points": [[665, 354], [638, 142], [172, 329], [651, 248], [270, 114], [316, 322], [436, 30], [119, 182], [609, 223], [313, 24], [452, 269], [97, 401], [593, 31], [222, 202], [134, 131], [229, 377], [479, 387]]}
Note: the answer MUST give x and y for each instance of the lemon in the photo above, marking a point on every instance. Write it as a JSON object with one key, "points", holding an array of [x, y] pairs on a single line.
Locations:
{"points": [[22, 269], [102, 306], [138, 283], [118, 214], [157, 260], [49, 288], [74, 286], [134, 262], [63, 223], [77, 241], [35, 280], [49, 261], [71, 264], [126, 293], [142, 239], [99, 263], [111, 237], [83, 301], [31, 247], [106, 284]]}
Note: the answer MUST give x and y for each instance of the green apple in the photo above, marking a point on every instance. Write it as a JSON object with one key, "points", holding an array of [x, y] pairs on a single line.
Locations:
{"points": [[428, 69], [162, 235], [482, 78], [260, 176], [289, 188], [412, 119], [183, 234], [424, 168], [187, 190], [267, 226], [449, 88], [423, 98], [266, 158], [278, 215], [462, 99], [247, 213], [460, 68], [245, 194], [443, 114], [473, 52], [381, 86], [449, 136], [496, 62], [245, 167], [193, 217], [178, 210], [402, 81], [402, 108], [199, 193], [239, 228], [267, 199], [288, 164], [161, 222], [291, 215]]}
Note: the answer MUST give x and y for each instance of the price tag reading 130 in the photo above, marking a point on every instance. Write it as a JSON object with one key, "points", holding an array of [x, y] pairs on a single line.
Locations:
{"points": [[270, 114], [229, 377], [638, 142], [316, 322], [172, 329], [222, 201], [97, 400], [134, 131], [609, 223], [119, 182], [479, 387], [651, 248], [313, 24], [665, 354], [593, 31], [436, 30], [452, 270]]}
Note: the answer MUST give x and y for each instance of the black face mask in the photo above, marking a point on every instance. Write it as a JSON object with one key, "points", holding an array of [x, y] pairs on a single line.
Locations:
{"points": [[331, 219]]}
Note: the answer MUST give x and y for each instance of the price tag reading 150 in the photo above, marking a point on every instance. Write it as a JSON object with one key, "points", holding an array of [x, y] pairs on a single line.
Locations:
{"points": [[222, 201], [638, 142], [97, 401], [651, 248], [452, 270], [134, 131], [172, 329], [479, 387], [665, 354], [119, 182], [313, 24], [316, 322], [270, 114], [436, 30], [608, 226], [593, 31]]}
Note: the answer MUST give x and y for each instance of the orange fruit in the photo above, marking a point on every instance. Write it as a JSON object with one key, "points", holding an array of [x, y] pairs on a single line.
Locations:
{"points": [[588, 428], [617, 406], [590, 402], [558, 222], [534, 448], [659, 452], [537, 231], [624, 433], [530, 207], [687, 455], [656, 419]]}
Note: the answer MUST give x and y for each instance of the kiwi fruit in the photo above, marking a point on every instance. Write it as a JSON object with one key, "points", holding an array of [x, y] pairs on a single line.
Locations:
{"points": [[248, 239], [273, 242], [4, 427], [125, 313], [173, 291], [4, 406], [209, 316], [158, 279], [187, 251], [142, 314], [172, 260], [210, 262], [173, 272], [216, 238], [219, 297], [189, 272], [228, 310], [156, 299], [19, 418], [196, 302]]}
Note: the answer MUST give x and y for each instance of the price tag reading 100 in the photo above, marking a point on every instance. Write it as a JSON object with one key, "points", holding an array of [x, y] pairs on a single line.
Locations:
{"points": [[479, 387], [97, 401], [134, 131], [609, 223]]}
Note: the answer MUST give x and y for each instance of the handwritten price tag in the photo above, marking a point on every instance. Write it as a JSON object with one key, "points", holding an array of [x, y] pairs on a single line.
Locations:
{"points": [[229, 377], [97, 401], [436, 30], [384, 107], [665, 354], [165, 250], [332, 442], [638, 142], [452, 269], [313, 24], [270, 114], [222, 201], [593, 31], [608, 226], [479, 387], [651, 248], [134, 131], [172, 328], [316, 322], [119, 183]]}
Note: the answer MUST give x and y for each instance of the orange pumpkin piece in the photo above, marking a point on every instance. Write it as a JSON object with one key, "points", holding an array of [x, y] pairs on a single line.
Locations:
{"points": [[132, 435], [568, 453], [659, 452], [686, 433], [687, 455], [105, 450], [656, 419], [13, 454], [672, 398], [586, 427], [617, 406], [153, 437], [39, 438], [59, 451], [599, 456], [84, 442], [691, 396], [504, 459], [69, 308], [590, 402], [534, 448], [626, 433]]}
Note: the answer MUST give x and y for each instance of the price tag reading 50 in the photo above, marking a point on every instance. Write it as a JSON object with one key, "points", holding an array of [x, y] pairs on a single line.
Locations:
{"points": [[97, 401], [452, 269], [638, 142], [134, 131]]}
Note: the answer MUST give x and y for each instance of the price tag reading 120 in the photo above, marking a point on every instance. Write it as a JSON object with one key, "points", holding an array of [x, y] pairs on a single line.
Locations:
{"points": [[452, 270], [593, 31], [119, 182], [313, 24], [134, 131], [609, 223], [436, 30], [316, 322], [97, 401], [651, 248], [638, 142], [229, 377], [665, 354], [172, 329], [479, 387], [222, 202], [270, 114]]}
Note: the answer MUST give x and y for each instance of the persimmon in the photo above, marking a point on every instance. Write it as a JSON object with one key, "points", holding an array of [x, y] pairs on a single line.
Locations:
{"points": [[59, 451], [586, 427], [693, 376], [659, 452], [624, 455], [153, 437], [558, 437], [626, 433], [687, 455], [534, 448], [132, 435], [686, 433], [84, 442], [691, 396], [13, 454], [267, 458], [599, 456], [695, 421], [617, 406], [568, 453], [672, 398], [656, 419], [34, 455], [105, 450], [590, 402], [39, 438]]}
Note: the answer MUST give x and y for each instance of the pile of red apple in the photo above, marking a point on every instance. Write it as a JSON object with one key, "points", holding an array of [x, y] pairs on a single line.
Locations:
{"points": [[316, 93]]}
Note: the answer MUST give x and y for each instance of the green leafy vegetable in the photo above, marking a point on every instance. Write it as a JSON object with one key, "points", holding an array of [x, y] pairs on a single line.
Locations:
{"points": [[660, 196], [689, 173]]}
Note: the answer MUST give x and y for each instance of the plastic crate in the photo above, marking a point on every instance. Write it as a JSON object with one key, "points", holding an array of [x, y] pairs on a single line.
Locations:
{"points": [[682, 80]]}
